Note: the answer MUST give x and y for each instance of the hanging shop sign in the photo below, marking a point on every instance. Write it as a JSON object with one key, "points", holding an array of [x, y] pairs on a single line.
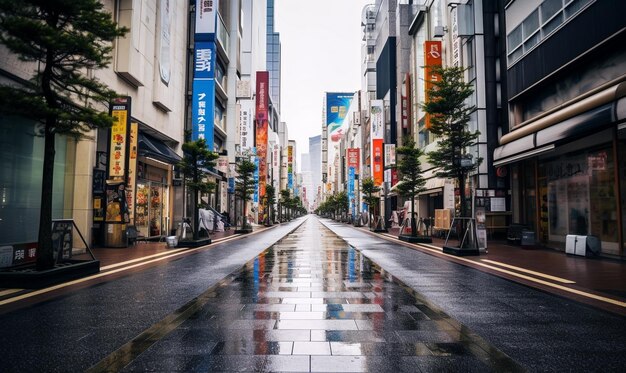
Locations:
{"points": [[132, 172], [118, 138], [432, 57], [203, 93]]}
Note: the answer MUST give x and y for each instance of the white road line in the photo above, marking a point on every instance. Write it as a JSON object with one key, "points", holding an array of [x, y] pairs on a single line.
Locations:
{"points": [[558, 279], [519, 275], [107, 273]]}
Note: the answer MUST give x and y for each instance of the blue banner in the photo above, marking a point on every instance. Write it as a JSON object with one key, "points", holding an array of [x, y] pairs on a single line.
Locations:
{"points": [[337, 106], [256, 180], [351, 190], [203, 93], [231, 185]]}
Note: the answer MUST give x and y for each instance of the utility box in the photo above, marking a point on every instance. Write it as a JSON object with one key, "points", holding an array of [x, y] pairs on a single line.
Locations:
{"points": [[582, 245]]}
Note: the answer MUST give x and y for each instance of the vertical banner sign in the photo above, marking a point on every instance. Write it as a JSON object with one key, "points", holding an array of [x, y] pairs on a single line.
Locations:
{"points": [[276, 157], [118, 138], [432, 57], [262, 118], [390, 155], [132, 173], [246, 131], [351, 197], [203, 86], [405, 99], [376, 135], [164, 50], [290, 167], [256, 180], [354, 158], [203, 93]]}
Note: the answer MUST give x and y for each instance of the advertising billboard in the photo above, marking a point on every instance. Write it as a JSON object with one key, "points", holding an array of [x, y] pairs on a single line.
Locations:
{"points": [[337, 106], [262, 122]]}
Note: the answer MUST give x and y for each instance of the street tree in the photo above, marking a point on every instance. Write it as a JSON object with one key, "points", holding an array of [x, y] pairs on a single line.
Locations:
{"points": [[342, 204], [196, 162], [244, 187], [285, 194], [450, 116], [65, 41], [411, 180], [270, 201], [370, 198]]}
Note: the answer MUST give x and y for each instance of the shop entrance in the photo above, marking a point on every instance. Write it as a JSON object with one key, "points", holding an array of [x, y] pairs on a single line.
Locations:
{"points": [[151, 208]]}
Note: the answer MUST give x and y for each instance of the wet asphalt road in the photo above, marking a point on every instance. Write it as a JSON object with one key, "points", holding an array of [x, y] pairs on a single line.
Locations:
{"points": [[312, 302]]}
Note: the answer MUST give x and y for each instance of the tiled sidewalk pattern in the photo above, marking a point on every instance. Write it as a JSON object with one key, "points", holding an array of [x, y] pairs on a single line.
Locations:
{"points": [[312, 303]]}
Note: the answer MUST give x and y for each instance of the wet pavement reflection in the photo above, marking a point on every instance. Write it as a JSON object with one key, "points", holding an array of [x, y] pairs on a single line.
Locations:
{"points": [[311, 303]]}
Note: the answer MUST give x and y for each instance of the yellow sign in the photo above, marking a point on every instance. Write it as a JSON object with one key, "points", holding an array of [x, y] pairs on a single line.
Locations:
{"points": [[117, 152]]}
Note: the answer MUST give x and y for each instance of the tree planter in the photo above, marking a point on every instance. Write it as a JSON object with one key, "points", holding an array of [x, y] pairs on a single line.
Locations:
{"points": [[415, 239], [28, 277], [194, 243], [460, 251]]}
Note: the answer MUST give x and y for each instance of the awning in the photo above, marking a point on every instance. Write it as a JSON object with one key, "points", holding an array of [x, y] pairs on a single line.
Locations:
{"points": [[546, 139], [148, 146]]}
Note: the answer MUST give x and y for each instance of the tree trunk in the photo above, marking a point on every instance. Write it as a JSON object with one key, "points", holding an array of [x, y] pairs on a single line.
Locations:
{"points": [[45, 254], [196, 216], [413, 223]]}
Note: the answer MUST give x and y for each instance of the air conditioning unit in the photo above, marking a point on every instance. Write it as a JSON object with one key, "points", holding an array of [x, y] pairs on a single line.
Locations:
{"points": [[582, 245]]}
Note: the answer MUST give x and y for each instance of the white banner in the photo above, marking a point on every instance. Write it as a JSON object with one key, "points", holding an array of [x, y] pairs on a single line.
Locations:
{"points": [[377, 112], [246, 122], [206, 16]]}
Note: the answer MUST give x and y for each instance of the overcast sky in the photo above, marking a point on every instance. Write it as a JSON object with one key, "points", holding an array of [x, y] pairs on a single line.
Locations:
{"points": [[321, 52]]}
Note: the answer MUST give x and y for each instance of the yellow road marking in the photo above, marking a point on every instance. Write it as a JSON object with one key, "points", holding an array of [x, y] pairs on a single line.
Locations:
{"points": [[558, 279], [515, 274], [101, 274]]}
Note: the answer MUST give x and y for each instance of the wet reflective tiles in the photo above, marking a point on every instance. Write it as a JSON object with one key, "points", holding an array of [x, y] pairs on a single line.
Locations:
{"points": [[312, 303]]}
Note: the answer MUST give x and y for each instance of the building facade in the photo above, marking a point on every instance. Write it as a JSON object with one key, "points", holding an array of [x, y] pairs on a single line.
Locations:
{"points": [[564, 148]]}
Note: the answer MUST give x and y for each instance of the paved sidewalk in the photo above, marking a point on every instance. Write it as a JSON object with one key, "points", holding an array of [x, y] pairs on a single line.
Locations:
{"points": [[141, 249]]}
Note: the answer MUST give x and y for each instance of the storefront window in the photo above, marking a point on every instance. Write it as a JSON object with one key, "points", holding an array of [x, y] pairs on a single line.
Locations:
{"points": [[21, 163], [581, 197], [151, 209]]}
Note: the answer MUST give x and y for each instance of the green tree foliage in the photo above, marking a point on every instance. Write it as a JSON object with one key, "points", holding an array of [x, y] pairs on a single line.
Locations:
{"points": [[411, 180], [244, 186], [64, 40], [371, 199], [450, 115], [285, 195], [196, 162], [342, 203]]}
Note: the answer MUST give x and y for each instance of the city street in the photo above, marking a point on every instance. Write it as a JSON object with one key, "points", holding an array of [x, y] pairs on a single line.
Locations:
{"points": [[310, 295]]}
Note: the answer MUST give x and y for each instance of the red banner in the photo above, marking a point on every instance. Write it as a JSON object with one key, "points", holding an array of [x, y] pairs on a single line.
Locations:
{"points": [[354, 156], [262, 117], [377, 161], [432, 56]]}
